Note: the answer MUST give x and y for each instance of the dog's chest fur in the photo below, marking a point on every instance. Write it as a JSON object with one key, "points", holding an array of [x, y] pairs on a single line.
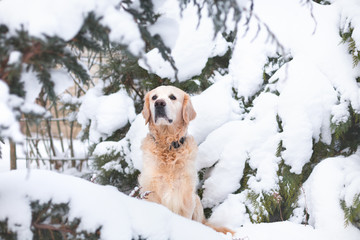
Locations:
{"points": [[168, 173]]}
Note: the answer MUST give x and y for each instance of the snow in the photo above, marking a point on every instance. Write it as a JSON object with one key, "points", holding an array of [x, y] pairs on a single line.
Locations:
{"points": [[305, 96], [105, 113], [215, 104], [65, 18], [123, 27], [9, 126], [80, 152], [168, 29], [349, 11], [281, 231], [304, 114], [257, 144], [32, 85], [189, 38], [248, 59], [119, 216], [15, 57], [232, 212], [122, 217], [340, 113], [332, 180], [61, 79]]}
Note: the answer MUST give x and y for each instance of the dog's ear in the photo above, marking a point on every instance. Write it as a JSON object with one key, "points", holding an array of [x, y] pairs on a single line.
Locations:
{"points": [[188, 111], [146, 110]]}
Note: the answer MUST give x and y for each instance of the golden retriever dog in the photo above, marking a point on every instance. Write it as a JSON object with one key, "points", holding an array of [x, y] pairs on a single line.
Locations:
{"points": [[169, 154]]}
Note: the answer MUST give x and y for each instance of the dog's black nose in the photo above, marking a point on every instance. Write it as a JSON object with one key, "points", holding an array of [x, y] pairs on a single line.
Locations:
{"points": [[160, 103]]}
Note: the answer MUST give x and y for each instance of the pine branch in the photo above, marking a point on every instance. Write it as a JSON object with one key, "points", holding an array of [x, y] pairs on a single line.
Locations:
{"points": [[62, 229], [352, 213]]}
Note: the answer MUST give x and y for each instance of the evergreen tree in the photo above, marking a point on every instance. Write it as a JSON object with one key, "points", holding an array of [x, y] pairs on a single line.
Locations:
{"points": [[122, 71], [119, 69], [41, 56]]}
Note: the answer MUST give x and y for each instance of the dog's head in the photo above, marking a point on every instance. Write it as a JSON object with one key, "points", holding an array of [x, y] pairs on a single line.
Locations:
{"points": [[167, 105]]}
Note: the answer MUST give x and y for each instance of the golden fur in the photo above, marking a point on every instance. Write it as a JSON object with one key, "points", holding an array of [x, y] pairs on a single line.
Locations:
{"points": [[168, 172]]}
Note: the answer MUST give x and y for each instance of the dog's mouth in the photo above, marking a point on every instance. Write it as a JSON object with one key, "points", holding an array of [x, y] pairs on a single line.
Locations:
{"points": [[161, 114]]}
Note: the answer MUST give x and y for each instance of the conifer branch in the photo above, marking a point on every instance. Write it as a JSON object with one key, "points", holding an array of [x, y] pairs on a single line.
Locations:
{"points": [[62, 229]]}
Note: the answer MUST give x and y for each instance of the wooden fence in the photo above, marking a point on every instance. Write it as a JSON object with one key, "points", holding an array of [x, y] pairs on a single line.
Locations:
{"points": [[50, 143]]}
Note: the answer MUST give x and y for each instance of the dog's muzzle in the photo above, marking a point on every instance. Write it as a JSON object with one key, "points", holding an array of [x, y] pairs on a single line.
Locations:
{"points": [[160, 111]]}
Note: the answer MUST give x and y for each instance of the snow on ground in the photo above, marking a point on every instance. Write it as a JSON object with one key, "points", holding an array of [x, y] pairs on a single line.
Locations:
{"points": [[281, 231], [120, 216]]}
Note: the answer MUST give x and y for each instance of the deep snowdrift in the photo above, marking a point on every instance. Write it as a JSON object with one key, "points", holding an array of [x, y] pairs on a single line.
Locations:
{"points": [[123, 217], [120, 216]]}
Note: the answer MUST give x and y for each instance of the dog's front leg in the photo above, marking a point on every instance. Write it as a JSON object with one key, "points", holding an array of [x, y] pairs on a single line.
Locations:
{"points": [[198, 214], [188, 206]]}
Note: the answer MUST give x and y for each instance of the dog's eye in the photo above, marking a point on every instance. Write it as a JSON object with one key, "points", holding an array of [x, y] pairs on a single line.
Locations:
{"points": [[172, 97], [154, 97]]}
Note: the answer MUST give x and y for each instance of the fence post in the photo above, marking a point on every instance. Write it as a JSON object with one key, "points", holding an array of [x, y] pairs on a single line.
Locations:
{"points": [[12, 155]]}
